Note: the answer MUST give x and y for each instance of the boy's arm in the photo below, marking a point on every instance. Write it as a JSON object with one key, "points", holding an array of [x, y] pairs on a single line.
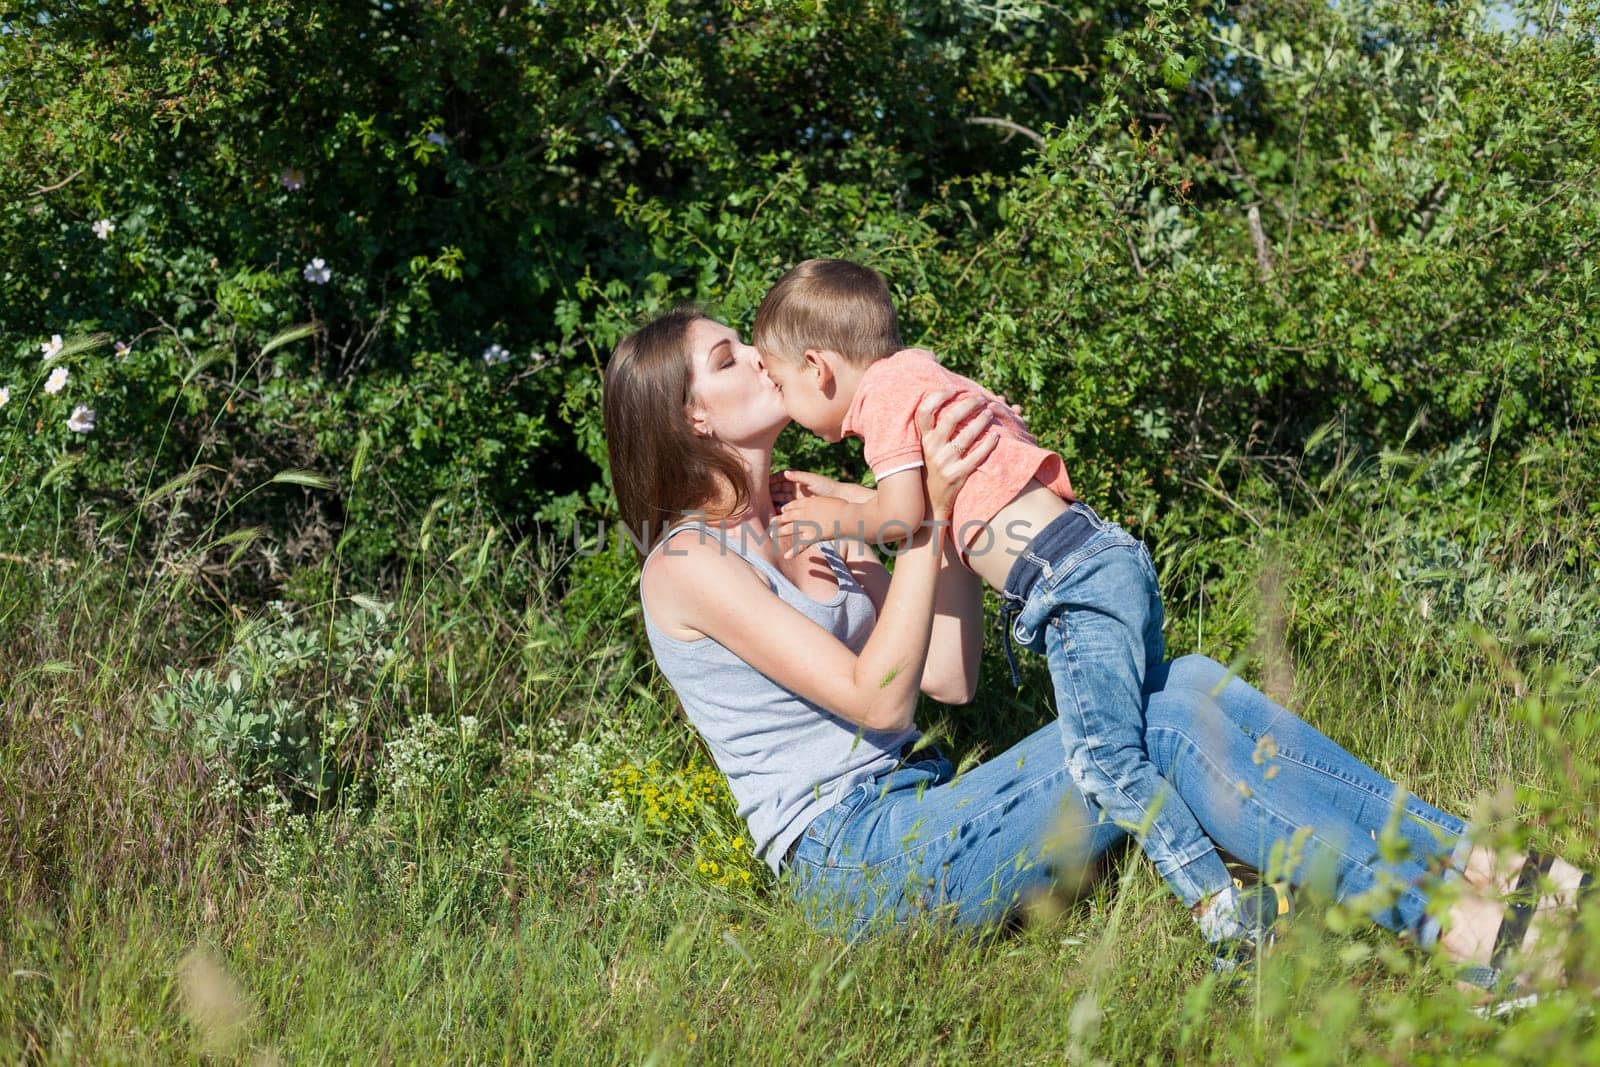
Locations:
{"points": [[891, 514], [896, 510]]}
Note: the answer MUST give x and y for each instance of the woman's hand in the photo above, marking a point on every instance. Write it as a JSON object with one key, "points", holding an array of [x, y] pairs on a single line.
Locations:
{"points": [[948, 451]]}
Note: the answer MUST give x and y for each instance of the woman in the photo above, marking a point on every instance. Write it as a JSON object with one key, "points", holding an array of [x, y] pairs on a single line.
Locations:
{"points": [[801, 672]]}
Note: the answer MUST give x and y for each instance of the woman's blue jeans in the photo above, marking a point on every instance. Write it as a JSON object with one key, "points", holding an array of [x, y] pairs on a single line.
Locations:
{"points": [[1266, 786]]}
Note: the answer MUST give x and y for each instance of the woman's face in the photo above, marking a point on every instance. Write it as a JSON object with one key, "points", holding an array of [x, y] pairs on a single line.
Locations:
{"points": [[731, 397]]}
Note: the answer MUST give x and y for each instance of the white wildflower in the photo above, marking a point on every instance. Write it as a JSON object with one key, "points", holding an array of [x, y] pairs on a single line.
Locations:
{"points": [[57, 380], [82, 420], [317, 271], [51, 348], [292, 178], [537, 359], [417, 758], [438, 139], [104, 228], [495, 355], [121, 348], [5, 396]]}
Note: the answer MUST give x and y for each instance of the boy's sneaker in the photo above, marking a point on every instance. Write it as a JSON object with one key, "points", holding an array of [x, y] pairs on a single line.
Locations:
{"points": [[1258, 909]]}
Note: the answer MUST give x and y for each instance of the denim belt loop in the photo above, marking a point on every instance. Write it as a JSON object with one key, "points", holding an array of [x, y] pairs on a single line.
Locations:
{"points": [[1010, 608]]}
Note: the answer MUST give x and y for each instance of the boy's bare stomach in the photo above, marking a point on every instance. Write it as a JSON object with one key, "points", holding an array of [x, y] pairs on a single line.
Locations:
{"points": [[1016, 524]]}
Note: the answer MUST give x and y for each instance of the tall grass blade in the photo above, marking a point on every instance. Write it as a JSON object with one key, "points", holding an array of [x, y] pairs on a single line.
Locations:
{"points": [[242, 539], [1319, 435], [289, 336], [309, 479], [363, 449], [73, 346], [380, 608], [61, 468], [206, 362], [173, 486]]}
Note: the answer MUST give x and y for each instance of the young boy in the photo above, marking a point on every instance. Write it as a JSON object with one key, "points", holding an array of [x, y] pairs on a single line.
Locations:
{"points": [[1074, 587]]}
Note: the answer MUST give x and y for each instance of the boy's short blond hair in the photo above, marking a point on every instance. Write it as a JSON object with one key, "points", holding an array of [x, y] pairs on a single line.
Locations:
{"points": [[828, 304]]}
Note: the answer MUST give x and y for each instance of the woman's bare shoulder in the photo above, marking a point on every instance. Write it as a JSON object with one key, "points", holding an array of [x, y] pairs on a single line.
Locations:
{"points": [[676, 576]]}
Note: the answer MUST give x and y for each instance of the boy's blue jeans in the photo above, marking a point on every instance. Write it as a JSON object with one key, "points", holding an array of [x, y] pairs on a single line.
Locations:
{"points": [[1085, 595], [922, 841]]}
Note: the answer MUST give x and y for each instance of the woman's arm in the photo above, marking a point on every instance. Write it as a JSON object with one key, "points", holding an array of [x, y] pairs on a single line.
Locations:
{"points": [[718, 595], [955, 647], [955, 650]]}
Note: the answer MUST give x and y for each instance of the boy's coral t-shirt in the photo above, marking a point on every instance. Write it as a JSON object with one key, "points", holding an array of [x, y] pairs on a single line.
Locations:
{"points": [[884, 416]]}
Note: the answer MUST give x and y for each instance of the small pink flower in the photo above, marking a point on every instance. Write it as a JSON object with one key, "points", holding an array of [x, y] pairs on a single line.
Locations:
{"points": [[121, 348]]}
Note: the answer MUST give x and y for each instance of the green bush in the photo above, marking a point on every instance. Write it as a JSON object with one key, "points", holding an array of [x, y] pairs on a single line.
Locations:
{"points": [[286, 694], [1062, 198], [436, 189]]}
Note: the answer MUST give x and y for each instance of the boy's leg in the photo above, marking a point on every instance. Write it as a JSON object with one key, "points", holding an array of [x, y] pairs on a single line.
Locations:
{"points": [[1155, 639], [1097, 643]]}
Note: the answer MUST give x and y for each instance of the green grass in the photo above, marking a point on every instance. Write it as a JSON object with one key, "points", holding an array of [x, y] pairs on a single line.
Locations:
{"points": [[465, 875]]}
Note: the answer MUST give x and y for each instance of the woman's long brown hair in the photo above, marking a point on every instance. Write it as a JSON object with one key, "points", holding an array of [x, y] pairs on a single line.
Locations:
{"points": [[661, 469]]}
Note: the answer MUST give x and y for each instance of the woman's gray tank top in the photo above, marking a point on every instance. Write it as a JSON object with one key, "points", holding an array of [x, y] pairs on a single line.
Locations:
{"points": [[787, 760]]}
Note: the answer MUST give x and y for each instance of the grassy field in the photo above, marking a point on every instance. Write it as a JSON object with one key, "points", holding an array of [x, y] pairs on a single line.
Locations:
{"points": [[454, 815]]}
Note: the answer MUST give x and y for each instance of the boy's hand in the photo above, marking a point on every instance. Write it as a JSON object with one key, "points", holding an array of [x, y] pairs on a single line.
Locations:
{"points": [[1015, 409], [810, 520], [788, 486]]}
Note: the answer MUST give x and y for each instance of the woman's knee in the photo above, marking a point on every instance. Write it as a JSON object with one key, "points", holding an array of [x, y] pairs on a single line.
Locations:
{"points": [[1196, 672], [1185, 707]]}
